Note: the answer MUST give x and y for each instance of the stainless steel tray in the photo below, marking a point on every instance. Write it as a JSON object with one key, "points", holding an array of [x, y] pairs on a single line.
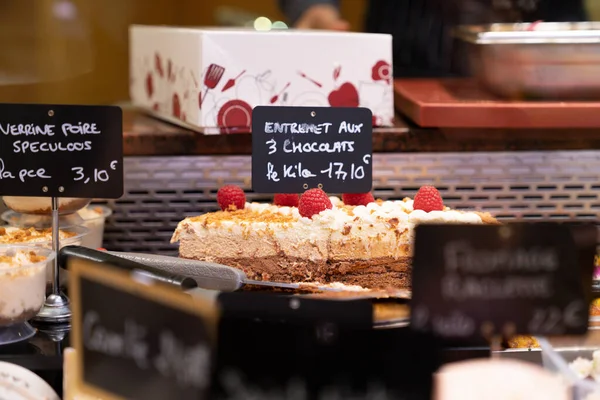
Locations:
{"points": [[540, 33], [557, 61]]}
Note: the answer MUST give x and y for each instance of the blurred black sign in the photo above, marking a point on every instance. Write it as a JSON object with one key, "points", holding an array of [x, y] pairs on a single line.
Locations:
{"points": [[274, 346], [297, 148], [474, 281], [61, 151], [139, 340]]}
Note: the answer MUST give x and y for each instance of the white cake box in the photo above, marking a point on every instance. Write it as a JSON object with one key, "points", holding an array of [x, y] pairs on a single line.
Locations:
{"points": [[210, 79]]}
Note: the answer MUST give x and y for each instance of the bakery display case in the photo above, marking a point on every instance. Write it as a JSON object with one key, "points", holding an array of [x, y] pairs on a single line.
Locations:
{"points": [[161, 190], [520, 175], [317, 283]]}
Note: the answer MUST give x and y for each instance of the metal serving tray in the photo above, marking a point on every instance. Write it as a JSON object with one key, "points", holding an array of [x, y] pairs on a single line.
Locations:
{"points": [[531, 33], [559, 61]]}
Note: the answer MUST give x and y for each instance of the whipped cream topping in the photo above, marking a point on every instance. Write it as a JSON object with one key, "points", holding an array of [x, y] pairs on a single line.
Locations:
{"points": [[587, 368], [340, 214], [12, 260], [337, 286], [382, 229]]}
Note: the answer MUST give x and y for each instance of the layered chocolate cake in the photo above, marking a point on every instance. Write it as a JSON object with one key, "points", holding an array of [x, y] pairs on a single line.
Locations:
{"points": [[355, 240]]}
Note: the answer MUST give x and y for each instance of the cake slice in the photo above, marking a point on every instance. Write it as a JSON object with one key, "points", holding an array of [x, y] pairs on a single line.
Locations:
{"points": [[322, 240]]}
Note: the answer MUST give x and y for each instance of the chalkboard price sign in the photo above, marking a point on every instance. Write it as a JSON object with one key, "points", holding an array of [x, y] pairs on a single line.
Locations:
{"points": [[61, 151], [297, 148], [484, 281], [139, 340]]}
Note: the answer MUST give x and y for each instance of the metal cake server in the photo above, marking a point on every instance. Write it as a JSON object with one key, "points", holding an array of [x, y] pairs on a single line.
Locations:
{"points": [[207, 275], [181, 282]]}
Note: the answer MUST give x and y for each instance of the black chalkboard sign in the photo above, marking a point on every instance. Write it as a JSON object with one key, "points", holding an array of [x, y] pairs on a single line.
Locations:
{"points": [[61, 151], [298, 148], [323, 349], [484, 281], [139, 340]]}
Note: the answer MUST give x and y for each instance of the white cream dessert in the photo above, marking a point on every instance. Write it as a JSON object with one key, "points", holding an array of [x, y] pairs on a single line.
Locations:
{"points": [[94, 218], [369, 246], [585, 368], [39, 237], [498, 379], [90, 213], [22, 284]]}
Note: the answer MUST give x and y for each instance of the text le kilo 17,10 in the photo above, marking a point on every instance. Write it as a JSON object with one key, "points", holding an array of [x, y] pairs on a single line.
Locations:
{"points": [[334, 169]]}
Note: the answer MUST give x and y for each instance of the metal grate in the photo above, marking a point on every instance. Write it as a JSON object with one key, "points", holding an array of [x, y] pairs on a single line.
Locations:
{"points": [[161, 191]]}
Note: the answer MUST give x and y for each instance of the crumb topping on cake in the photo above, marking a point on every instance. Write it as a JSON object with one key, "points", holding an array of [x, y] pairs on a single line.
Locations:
{"points": [[16, 261], [379, 229], [12, 261], [20, 235], [19, 258], [392, 214], [247, 215]]}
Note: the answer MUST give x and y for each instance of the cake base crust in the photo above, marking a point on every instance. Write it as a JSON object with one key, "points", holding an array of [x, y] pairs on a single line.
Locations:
{"points": [[378, 273]]}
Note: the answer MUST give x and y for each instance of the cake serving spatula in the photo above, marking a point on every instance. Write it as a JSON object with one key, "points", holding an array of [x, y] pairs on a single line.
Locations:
{"points": [[207, 275], [210, 275], [181, 282]]}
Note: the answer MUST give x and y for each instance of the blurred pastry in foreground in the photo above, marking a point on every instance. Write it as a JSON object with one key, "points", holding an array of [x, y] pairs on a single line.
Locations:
{"points": [[529, 342], [497, 379], [595, 308], [523, 342]]}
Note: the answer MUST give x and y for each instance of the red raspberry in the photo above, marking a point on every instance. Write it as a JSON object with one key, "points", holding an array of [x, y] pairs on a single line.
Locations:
{"points": [[231, 197], [286, 199], [312, 202], [357, 199], [428, 199]]}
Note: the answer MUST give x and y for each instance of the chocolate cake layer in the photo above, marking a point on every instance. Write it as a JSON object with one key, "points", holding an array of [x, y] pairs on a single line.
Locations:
{"points": [[378, 273]]}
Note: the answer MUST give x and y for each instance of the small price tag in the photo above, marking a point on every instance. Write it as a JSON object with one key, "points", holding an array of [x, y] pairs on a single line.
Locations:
{"points": [[483, 281], [61, 151], [297, 148], [138, 340]]}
